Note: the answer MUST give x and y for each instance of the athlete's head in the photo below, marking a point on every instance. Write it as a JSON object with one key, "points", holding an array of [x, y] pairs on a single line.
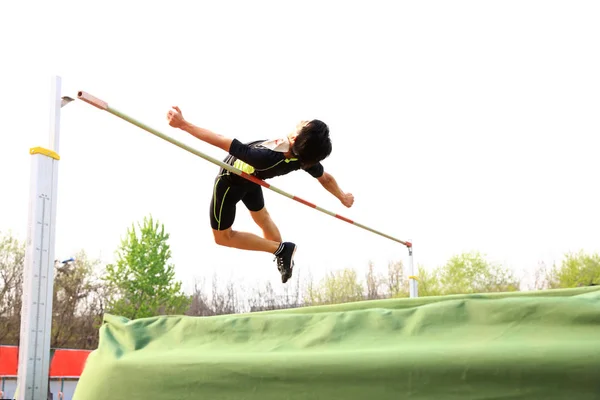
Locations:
{"points": [[311, 142]]}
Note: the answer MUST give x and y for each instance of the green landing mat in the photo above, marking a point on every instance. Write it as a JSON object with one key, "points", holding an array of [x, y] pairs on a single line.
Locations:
{"points": [[524, 345]]}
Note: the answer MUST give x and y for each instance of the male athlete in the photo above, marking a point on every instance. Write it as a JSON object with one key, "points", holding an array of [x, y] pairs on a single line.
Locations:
{"points": [[304, 148]]}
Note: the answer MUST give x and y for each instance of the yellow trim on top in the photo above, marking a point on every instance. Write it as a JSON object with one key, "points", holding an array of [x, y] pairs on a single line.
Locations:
{"points": [[46, 152], [242, 166], [249, 169], [416, 278]]}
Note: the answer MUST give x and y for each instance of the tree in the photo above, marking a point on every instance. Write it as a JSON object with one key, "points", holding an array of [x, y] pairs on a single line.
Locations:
{"points": [[200, 303], [77, 304], [373, 282], [267, 299], [472, 273], [141, 283], [12, 259], [541, 276], [224, 301], [336, 287], [397, 285], [429, 282], [264, 299], [577, 269], [292, 294]]}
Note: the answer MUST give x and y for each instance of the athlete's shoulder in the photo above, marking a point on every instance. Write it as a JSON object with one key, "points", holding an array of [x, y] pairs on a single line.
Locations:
{"points": [[237, 145], [254, 153], [317, 170], [260, 144], [257, 143]]}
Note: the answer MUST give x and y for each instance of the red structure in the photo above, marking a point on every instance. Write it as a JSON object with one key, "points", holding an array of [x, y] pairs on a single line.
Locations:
{"points": [[66, 363], [66, 366]]}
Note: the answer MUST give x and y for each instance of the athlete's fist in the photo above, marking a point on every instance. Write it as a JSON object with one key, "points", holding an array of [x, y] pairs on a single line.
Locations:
{"points": [[175, 117], [347, 199]]}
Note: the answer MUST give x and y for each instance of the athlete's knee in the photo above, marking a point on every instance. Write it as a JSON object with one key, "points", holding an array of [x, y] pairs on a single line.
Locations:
{"points": [[261, 217], [223, 237], [264, 221]]}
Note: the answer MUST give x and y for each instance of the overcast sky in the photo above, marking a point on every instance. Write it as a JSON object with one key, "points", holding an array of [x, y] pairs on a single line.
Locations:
{"points": [[460, 125]]}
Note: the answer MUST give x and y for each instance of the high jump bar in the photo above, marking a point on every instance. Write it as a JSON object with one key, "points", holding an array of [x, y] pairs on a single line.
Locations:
{"points": [[103, 105]]}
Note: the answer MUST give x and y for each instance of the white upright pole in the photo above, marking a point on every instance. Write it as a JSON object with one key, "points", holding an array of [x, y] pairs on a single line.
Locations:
{"points": [[55, 106], [38, 275], [412, 279]]}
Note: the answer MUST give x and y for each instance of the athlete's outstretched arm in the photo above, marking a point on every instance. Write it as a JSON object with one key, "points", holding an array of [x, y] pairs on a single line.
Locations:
{"points": [[176, 120], [329, 183]]}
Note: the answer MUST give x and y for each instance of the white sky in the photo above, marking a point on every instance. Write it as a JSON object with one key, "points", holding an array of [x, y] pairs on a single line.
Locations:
{"points": [[463, 125]]}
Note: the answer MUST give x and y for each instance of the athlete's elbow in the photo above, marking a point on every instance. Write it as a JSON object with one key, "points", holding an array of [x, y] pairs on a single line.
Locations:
{"points": [[223, 143], [325, 179]]}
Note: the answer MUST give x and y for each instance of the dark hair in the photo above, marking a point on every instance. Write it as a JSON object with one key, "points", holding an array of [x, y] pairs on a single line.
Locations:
{"points": [[312, 143]]}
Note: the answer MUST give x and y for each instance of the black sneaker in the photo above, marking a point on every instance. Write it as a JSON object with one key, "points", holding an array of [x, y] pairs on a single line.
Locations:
{"points": [[285, 260]]}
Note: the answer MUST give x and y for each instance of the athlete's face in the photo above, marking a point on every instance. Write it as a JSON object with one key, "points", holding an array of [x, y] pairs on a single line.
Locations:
{"points": [[301, 125], [292, 136]]}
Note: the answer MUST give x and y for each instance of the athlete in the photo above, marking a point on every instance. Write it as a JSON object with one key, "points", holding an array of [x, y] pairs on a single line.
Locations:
{"points": [[304, 148]]}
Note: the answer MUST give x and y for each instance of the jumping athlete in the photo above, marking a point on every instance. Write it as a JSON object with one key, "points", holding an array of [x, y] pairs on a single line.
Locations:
{"points": [[304, 148]]}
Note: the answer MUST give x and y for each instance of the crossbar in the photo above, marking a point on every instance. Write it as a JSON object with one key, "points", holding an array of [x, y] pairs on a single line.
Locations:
{"points": [[103, 105]]}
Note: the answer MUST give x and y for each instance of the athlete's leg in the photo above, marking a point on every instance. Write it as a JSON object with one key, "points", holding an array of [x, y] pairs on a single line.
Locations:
{"points": [[266, 224], [255, 203], [222, 214], [244, 241], [284, 251]]}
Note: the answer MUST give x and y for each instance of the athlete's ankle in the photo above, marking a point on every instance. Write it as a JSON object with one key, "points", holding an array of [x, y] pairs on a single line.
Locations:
{"points": [[284, 247], [279, 249]]}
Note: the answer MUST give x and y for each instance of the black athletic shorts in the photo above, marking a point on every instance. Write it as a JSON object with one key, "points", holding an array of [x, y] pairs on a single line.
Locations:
{"points": [[228, 190]]}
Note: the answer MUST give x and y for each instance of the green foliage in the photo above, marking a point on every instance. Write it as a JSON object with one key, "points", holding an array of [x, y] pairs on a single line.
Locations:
{"points": [[428, 283], [373, 283], [579, 269], [337, 287], [472, 273], [77, 303], [141, 283], [12, 258], [397, 282], [74, 282], [467, 273]]}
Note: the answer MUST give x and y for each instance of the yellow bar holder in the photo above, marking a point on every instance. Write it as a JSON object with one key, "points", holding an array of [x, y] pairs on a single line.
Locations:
{"points": [[46, 152]]}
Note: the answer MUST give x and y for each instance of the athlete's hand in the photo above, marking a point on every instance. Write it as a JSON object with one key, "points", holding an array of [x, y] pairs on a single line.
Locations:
{"points": [[175, 117], [347, 199]]}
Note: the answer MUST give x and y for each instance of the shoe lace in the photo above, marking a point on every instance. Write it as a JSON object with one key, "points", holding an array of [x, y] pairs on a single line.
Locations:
{"points": [[279, 261]]}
